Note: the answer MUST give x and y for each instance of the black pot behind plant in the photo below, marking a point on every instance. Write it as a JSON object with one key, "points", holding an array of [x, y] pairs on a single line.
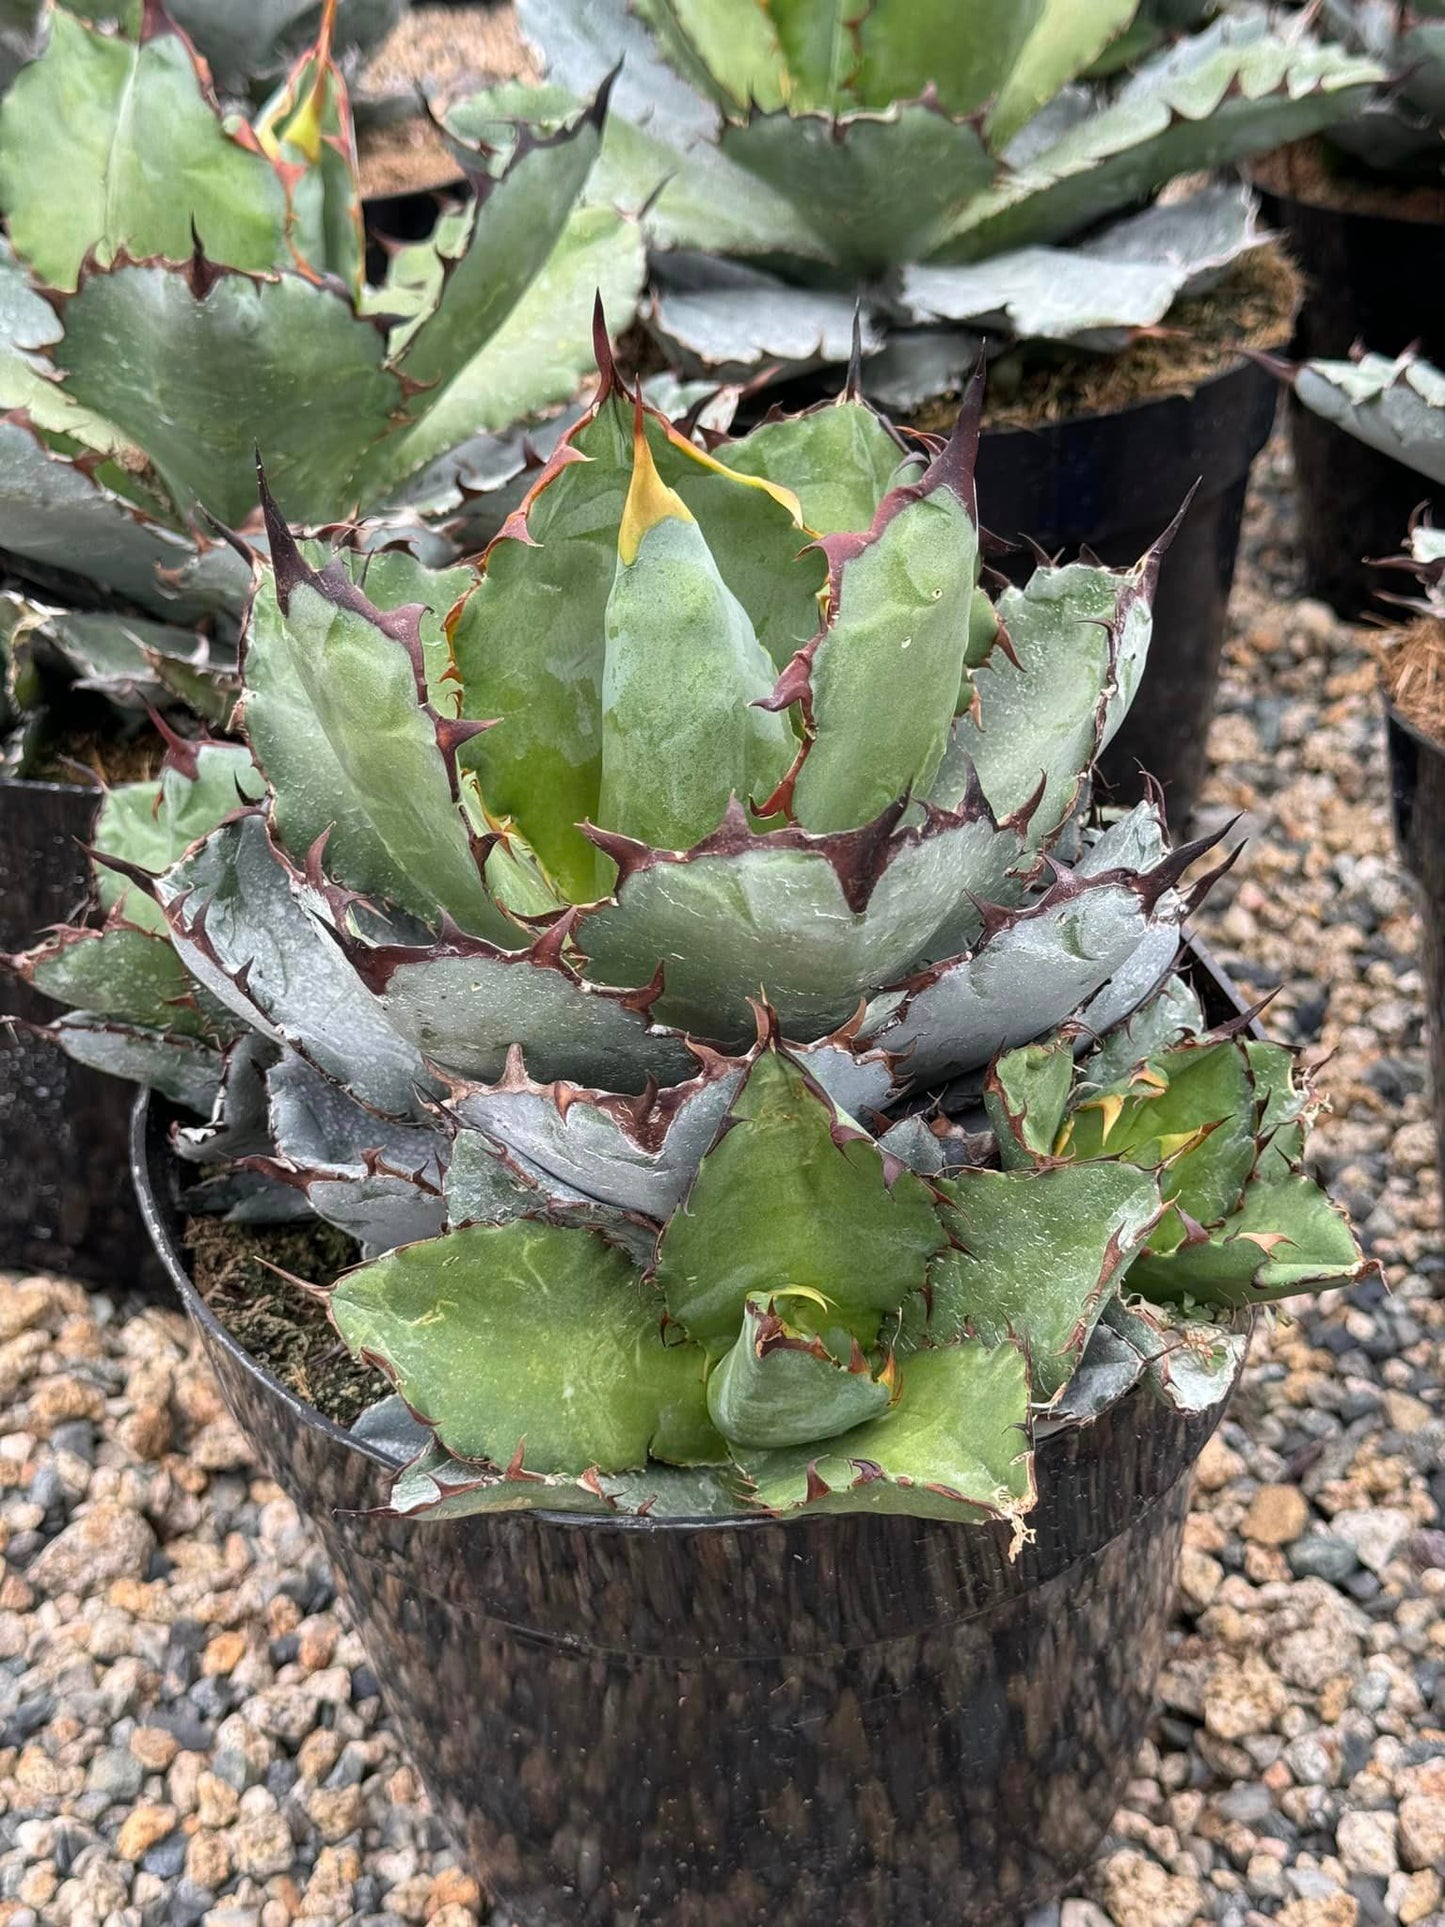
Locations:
{"points": [[852, 1718], [1110, 482], [1375, 282], [1417, 777], [67, 1204]]}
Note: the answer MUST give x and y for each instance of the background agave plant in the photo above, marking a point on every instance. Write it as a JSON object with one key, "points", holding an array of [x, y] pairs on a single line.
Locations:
{"points": [[659, 963], [178, 287], [247, 48], [967, 173], [1395, 404], [1400, 131]]}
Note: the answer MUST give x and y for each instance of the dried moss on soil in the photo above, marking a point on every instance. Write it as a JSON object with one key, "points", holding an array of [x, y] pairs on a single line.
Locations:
{"points": [[1317, 174], [443, 52], [283, 1327], [1414, 672], [1253, 306]]}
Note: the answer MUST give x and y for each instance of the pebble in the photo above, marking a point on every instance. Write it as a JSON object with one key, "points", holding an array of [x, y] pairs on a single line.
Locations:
{"points": [[1277, 1515]]}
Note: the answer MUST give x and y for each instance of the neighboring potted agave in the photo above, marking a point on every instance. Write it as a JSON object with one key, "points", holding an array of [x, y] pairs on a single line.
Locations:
{"points": [[1364, 208], [804, 1216], [967, 176], [1398, 408], [176, 287]]}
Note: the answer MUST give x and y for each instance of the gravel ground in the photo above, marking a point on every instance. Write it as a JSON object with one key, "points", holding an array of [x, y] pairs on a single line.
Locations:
{"points": [[189, 1731]]}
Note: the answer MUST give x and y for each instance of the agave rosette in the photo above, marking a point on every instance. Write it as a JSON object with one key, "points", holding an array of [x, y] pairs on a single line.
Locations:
{"points": [[667, 948], [967, 173], [1399, 131], [173, 279]]}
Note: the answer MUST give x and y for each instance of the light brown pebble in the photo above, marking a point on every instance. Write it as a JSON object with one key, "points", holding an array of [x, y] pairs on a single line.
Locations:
{"points": [[217, 1802], [1422, 1831], [208, 1859], [335, 1811], [223, 1654], [454, 1888], [107, 1542], [141, 1829], [1329, 1910], [154, 1747], [1413, 1896], [1219, 1465], [262, 1845], [453, 1917], [1139, 1893], [1277, 1516]]}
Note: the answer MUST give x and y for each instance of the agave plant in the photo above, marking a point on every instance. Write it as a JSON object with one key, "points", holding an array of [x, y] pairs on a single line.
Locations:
{"points": [[178, 287], [1402, 131], [1394, 404], [247, 48], [958, 170], [679, 952]]}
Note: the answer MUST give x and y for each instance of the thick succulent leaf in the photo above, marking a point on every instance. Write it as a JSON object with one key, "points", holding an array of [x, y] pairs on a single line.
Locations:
{"points": [[29, 328], [350, 681], [1108, 1369], [582, 45], [183, 1069], [1191, 1112], [239, 1125], [537, 359], [486, 1184], [1192, 1362], [257, 42], [131, 975], [1164, 1021], [1395, 406], [465, 1005], [878, 189], [1218, 96], [317, 1125], [550, 574], [735, 54], [1034, 969], [109, 144], [954, 1446], [793, 1198], [903, 46], [839, 459], [1286, 1105], [1067, 36], [307, 129], [132, 662], [1035, 1255], [511, 226], [882, 679], [530, 1345], [683, 682], [783, 1384], [55, 513], [150, 826], [1096, 293], [1027, 1094], [202, 367], [437, 1486], [815, 923], [727, 320], [1285, 1238], [240, 926], [1133, 982], [1079, 636], [640, 1154]]}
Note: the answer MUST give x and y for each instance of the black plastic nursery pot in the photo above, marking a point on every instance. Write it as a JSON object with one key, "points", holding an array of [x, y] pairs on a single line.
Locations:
{"points": [[828, 1722], [1112, 482], [1417, 784], [66, 1200], [1373, 281]]}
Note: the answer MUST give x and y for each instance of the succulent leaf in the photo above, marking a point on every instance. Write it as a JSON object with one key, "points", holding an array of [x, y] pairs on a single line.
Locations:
{"points": [[1395, 406], [953, 1446], [1285, 1238], [150, 826], [183, 1069], [793, 1198], [1035, 1255], [132, 975], [883, 675], [109, 145], [530, 1343], [241, 928]]}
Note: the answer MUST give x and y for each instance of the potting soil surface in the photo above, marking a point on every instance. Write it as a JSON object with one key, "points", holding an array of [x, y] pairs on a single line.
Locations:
{"points": [[1414, 670], [192, 1734], [451, 51]]}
